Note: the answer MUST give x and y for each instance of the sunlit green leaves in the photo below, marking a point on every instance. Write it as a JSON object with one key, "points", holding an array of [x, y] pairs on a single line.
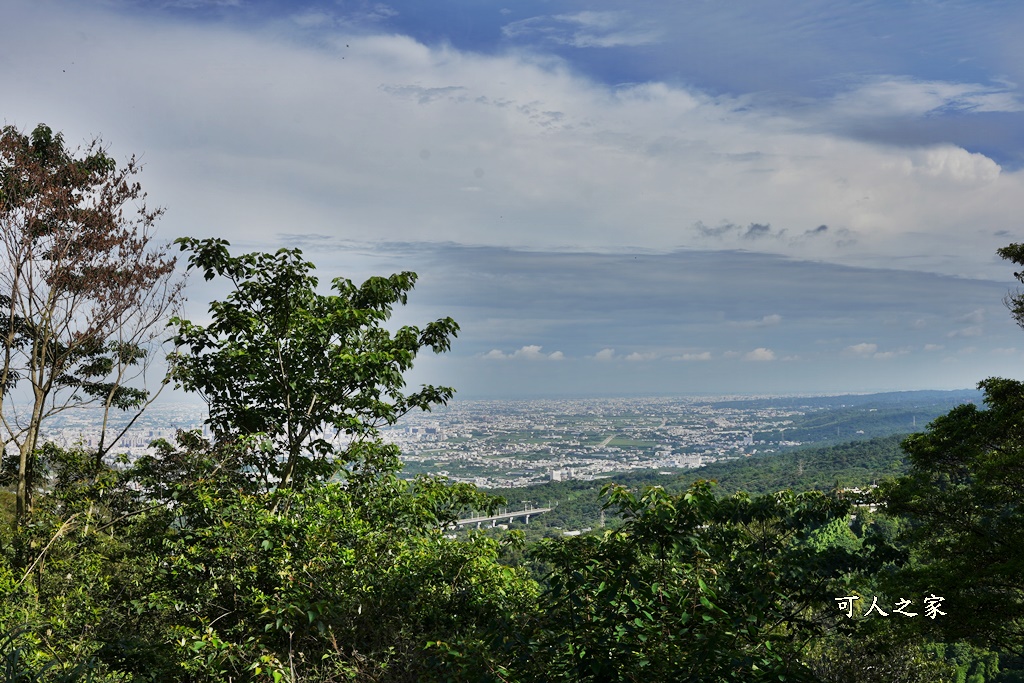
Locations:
{"points": [[283, 360], [691, 587], [963, 502]]}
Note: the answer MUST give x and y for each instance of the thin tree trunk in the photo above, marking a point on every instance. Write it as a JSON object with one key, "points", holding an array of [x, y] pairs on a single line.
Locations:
{"points": [[25, 479]]}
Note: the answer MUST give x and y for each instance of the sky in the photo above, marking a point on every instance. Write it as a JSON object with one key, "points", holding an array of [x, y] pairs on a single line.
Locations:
{"points": [[646, 198]]}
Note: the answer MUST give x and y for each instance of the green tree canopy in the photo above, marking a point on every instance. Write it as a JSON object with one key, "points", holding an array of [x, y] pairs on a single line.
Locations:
{"points": [[283, 361], [964, 499], [964, 504], [691, 588]]}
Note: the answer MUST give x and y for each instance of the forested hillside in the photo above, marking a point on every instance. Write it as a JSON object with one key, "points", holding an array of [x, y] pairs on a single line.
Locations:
{"points": [[577, 504], [855, 463], [869, 419]]}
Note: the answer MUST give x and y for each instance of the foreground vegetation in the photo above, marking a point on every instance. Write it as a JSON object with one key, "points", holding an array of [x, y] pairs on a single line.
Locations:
{"points": [[269, 554], [579, 504]]}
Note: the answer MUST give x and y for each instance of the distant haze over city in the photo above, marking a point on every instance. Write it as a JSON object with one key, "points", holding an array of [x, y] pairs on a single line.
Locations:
{"points": [[503, 443], [611, 198]]}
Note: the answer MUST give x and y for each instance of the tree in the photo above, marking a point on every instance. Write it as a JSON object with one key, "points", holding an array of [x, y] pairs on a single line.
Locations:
{"points": [[82, 287], [286, 363], [691, 587], [208, 561], [964, 501], [1015, 300], [340, 581]]}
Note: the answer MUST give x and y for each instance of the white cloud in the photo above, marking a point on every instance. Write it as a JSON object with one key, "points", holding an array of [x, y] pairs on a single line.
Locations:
{"points": [[529, 352], [957, 164], [760, 354], [888, 96], [637, 356], [863, 349], [933, 347], [365, 134], [249, 132]]}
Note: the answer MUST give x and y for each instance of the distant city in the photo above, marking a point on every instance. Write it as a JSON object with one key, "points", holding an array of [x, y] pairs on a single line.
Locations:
{"points": [[506, 443], [495, 444], [159, 421]]}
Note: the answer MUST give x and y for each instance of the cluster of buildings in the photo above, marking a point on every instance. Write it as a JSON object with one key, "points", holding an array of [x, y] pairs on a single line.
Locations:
{"points": [[517, 443], [82, 426], [512, 443]]}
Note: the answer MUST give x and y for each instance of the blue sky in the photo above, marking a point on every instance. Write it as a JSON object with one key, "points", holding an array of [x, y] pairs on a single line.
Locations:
{"points": [[647, 197]]}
